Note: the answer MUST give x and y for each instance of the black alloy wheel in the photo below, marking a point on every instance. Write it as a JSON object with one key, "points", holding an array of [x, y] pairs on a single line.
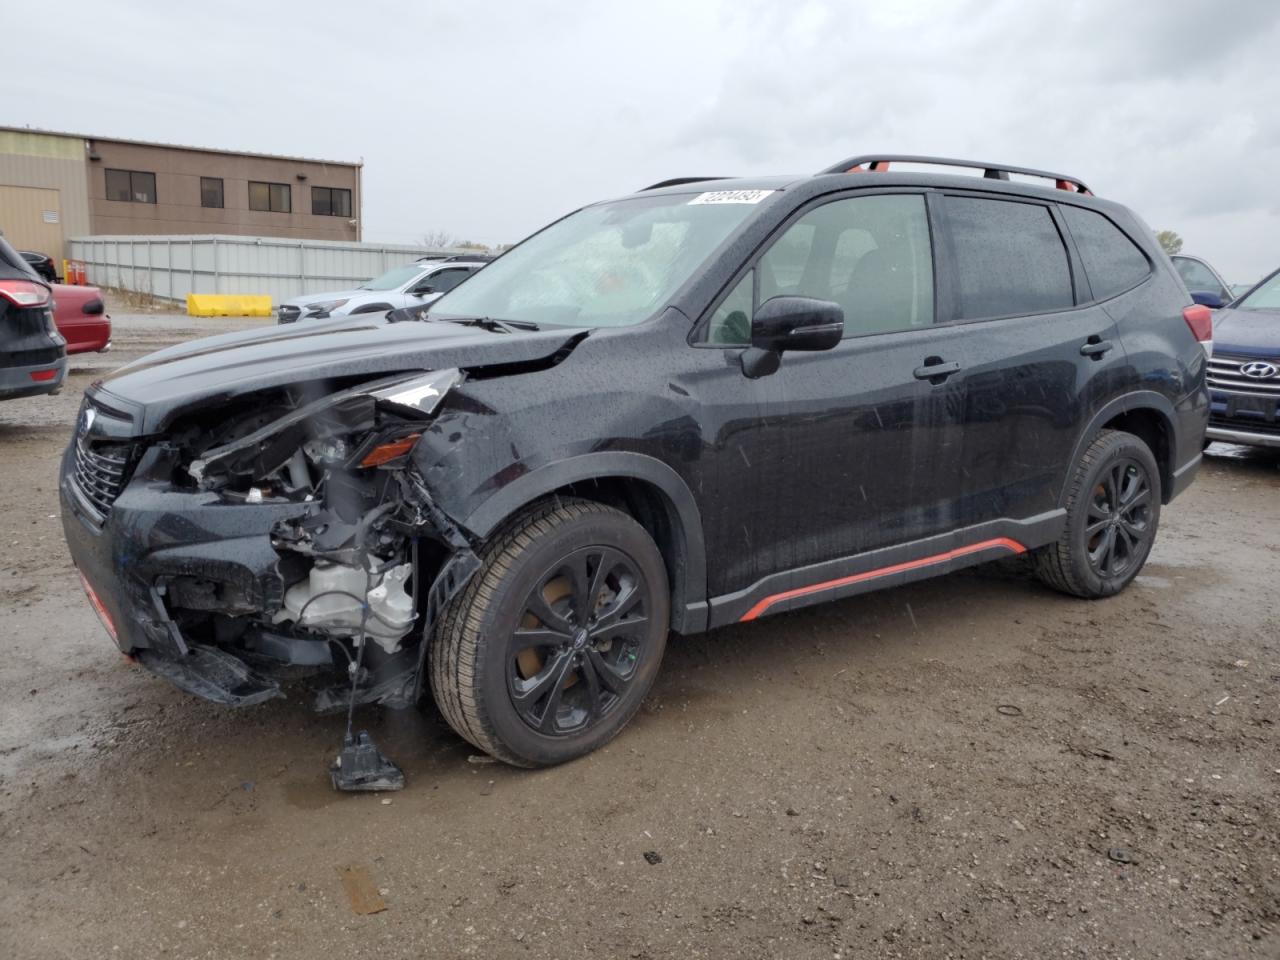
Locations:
{"points": [[582, 632], [1119, 529], [1112, 502], [552, 646]]}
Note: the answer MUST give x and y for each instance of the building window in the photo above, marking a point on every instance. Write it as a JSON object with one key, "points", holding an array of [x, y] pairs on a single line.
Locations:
{"points": [[274, 197], [131, 186], [211, 192], [330, 202]]}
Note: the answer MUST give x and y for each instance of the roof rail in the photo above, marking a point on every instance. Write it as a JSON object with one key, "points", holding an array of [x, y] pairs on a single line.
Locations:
{"points": [[676, 182], [454, 257], [879, 162]]}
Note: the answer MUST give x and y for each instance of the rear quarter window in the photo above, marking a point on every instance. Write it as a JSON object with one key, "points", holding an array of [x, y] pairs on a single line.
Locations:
{"points": [[1112, 262], [1009, 257]]}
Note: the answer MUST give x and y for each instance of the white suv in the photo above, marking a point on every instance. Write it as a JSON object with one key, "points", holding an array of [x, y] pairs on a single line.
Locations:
{"points": [[414, 285]]}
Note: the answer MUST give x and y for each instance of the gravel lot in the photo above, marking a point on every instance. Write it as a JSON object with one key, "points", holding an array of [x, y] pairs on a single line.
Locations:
{"points": [[969, 767]]}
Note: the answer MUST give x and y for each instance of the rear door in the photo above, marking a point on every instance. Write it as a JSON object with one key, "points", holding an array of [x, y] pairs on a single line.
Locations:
{"points": [[1039, 358]]}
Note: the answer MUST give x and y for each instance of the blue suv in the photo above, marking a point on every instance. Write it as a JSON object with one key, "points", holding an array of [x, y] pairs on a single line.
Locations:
{"points": [[1244, 373]]}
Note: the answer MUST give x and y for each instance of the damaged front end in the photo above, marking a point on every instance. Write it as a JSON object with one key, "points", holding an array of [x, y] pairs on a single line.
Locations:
{"points": [[359, 551], [286, 538]]}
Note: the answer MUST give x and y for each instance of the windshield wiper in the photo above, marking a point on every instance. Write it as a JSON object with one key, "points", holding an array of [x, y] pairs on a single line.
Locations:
{"points": [[495, 326]]}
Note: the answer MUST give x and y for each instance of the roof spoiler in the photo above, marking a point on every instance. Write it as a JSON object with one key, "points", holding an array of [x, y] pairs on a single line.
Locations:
{"points": [[879, 163]]}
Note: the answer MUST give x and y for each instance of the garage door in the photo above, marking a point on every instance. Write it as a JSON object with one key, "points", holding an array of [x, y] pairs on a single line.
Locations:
{"points": [[31, 218]]}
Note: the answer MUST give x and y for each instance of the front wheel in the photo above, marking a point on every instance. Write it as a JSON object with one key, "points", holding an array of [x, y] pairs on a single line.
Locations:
{"points": [[555, 642], [1113, 511]]}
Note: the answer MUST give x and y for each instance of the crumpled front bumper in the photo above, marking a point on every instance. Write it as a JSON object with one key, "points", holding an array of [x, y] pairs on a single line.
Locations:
{"points": [[153, 533]]}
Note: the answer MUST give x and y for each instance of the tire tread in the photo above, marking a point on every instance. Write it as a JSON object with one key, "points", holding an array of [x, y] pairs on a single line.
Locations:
{"points": [[454, 656], [1056, 564]]}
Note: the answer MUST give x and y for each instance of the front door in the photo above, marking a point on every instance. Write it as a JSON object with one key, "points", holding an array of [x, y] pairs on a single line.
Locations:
{"points": [[854, 449]]}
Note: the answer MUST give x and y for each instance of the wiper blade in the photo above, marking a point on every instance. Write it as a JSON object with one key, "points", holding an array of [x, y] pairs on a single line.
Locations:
{"points": [[494, 325]]}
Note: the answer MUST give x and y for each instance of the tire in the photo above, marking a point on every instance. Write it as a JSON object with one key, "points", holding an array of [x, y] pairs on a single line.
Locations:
{"points": [[1117, 467], [540, 689]]}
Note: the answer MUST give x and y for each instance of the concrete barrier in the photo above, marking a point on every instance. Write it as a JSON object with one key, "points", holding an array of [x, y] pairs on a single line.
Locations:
{"points": [[227, 305]]}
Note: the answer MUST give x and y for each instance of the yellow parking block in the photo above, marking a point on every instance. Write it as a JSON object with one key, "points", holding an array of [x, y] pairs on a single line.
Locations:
{"points": [[228, 305]]}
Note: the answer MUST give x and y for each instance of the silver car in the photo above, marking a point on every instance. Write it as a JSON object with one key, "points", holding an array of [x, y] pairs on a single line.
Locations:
{"points": [[413, 285]]}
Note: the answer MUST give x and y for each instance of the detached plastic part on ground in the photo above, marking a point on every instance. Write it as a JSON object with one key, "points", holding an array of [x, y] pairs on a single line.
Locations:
{"points": [[362, 767]]}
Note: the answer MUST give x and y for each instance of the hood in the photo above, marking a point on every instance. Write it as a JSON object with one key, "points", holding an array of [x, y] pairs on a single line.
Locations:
{"points": [[158, 387], [1250, 333], [301, 302]]}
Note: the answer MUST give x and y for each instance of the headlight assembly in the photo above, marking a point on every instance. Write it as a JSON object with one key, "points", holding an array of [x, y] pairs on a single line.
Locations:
{"points": [[325, 306], [373, 425]]}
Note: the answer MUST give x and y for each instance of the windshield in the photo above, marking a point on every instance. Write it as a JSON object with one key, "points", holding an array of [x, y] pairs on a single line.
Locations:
{"points": [[393, 278], [1266, 297], [1197, 276], [610, 265]]}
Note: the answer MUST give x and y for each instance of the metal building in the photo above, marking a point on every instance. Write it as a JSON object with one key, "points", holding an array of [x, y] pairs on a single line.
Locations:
{"points": [[55, 186]]}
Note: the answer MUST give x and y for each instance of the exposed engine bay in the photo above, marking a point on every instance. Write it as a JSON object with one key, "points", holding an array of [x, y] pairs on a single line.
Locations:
{"points": [[354, 557]]}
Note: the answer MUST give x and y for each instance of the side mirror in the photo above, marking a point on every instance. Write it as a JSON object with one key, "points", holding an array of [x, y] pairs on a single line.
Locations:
{"points": [[1211, 300], [790, 323]]}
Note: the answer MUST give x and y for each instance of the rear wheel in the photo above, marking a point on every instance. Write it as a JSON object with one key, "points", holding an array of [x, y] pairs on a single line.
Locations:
{"points": [[1113, 511], [555, 642]]}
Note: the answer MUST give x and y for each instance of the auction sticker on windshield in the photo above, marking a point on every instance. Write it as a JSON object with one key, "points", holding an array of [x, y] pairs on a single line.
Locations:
{"points": [[731, 196]]}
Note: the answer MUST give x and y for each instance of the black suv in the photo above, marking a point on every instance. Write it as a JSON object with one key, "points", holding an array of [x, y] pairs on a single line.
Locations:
{"points": [[33, 354], [697, 405]]}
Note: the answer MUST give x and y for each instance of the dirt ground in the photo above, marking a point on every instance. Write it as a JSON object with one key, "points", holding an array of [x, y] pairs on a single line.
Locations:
{"points": [[968, 767]]}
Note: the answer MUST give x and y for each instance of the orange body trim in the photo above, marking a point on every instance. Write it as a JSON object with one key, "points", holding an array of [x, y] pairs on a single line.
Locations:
{"points": [[1005, 543]]}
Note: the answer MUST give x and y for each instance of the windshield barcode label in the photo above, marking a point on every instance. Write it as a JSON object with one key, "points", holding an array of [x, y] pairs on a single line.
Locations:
{"points": [[731, 196]]}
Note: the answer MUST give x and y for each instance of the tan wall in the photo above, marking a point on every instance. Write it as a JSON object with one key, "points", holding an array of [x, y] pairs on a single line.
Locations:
{"points": [[32, 220], [51, 163], [177, 208]]}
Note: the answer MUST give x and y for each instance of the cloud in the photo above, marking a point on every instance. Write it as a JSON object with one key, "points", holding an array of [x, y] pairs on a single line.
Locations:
{"points": [[1167, 109], [487, 120]]}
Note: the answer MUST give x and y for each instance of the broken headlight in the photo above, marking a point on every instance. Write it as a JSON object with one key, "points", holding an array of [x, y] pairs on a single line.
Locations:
{"points": [[373, 425]]}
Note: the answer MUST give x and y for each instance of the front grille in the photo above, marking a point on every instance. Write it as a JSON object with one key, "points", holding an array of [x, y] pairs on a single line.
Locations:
{"points": [[1225, 374], [101, 471], [287, 314]]}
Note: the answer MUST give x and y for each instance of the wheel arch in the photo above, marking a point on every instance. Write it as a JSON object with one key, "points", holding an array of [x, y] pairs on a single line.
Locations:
{"points": [[642, 486], [1147, 415], [379, 307]]}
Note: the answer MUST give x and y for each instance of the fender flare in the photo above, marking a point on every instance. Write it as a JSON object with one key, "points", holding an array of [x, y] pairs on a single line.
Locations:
{"points": [[689, 593], [1126, 403]]}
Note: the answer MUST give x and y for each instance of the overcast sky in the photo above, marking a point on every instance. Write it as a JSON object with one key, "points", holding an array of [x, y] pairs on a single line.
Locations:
{"points": [[487, 119]]}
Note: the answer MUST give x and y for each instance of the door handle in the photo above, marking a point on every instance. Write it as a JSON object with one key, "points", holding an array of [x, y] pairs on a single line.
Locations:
{"points": [[1096, 348], [935, 370]]}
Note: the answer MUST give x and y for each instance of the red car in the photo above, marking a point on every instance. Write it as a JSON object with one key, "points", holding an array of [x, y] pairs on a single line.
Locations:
{"points": [[81, 318]]}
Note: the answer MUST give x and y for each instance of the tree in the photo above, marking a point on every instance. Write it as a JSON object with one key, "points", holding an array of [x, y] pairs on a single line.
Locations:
{"points": [[437, 240], [1170, 241]]}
